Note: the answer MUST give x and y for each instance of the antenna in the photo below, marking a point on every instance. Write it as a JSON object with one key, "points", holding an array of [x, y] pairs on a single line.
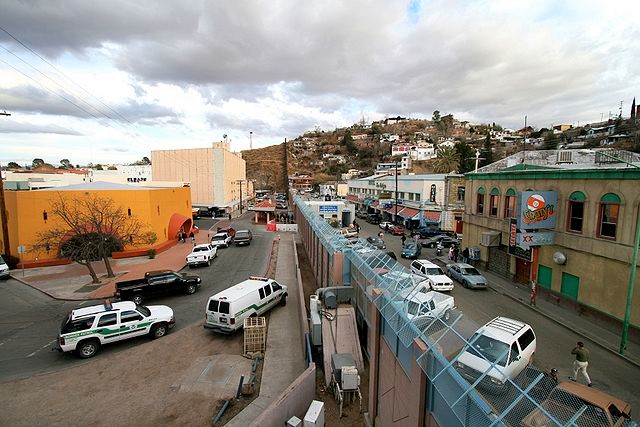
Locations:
{"points": [[477, 157], [250, 140]]}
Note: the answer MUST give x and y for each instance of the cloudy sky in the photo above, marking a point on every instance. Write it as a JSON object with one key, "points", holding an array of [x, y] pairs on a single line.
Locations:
{"points": [[109, 81]]}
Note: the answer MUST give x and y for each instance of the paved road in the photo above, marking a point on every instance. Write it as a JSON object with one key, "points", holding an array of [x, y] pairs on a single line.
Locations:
{"points": [[554, 342], [30, 320]]}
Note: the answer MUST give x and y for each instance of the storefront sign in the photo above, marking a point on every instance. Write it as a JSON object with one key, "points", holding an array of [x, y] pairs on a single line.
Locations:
{"points": [[537, 209], [539, 238], [524, 253], [328, 208]]}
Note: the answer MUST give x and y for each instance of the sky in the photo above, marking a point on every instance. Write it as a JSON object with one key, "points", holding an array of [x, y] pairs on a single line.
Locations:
{"points": [[110, 81]]}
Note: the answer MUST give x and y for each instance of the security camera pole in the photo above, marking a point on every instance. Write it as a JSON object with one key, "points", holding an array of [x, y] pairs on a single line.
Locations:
{"points": [[3, 211]]}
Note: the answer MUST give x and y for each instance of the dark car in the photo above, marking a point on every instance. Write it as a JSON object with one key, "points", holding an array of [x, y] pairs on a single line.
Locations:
{"points": [[373, 219], [426, 232], [156, 284], [445, 241], [243, 237], [361, 214], [376, 242], [411, 250]]}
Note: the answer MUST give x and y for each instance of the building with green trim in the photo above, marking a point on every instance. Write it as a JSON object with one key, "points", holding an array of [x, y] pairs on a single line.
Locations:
{"points": [[598, 194]]}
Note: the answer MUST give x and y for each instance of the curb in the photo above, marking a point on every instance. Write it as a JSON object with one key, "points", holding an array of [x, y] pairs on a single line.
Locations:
{"points": [[499, 289], [50, 295]]}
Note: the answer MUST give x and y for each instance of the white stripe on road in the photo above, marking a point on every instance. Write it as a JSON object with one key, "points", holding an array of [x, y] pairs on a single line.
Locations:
{"points": [[43, 347]]}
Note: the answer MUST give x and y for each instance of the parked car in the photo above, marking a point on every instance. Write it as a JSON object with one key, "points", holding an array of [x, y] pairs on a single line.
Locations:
{"points": [[402, 281], [397, 230], [156, 283], [281, 205], [202, 254], [385, 225], [411, 250], [507, 343], [243, 237], [361, 214], [376, 242], [466, 275], [445, 241], [4, 269], [373, 219], [86, 329], [229, 230], [569, 398], [428, 270], [426, 232], [221, 239], [423, 306], [348, 232]]}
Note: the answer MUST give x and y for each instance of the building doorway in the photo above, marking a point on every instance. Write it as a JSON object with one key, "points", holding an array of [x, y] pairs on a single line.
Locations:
{"points": [[523, 271]]}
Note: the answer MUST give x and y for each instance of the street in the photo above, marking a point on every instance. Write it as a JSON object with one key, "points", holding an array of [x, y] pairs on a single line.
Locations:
{"points": [[30, 320], [608, 372]]}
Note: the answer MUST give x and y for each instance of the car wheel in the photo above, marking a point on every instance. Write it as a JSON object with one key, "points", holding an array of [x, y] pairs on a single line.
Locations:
{"points": [[283, 300], [159, 330], [432, 245], [88, 348], [191, 289], [208, 262], [465, 284], [138, 299], [447, 315], [190, 265]]}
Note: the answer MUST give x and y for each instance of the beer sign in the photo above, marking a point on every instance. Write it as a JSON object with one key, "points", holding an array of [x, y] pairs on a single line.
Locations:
{"points": [[537, 209]]}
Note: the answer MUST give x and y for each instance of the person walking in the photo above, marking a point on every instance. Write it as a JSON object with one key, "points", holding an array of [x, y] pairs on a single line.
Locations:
{"points": [[193, 237], [465, 255], [581, 362], [404, 239], [456, 253]]}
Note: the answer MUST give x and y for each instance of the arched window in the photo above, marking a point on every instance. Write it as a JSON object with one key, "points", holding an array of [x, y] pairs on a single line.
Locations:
{"points": [[510, 203], [575, 212], [480, 202], [494, 201], [608, 212]]}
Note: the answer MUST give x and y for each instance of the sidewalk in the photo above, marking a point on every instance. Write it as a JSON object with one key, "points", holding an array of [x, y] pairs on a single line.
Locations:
{"points": [[600, 333], [72, 282]]}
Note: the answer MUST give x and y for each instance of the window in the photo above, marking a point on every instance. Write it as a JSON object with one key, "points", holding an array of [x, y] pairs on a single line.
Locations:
{"points": [[267, 290], [608, 214], [460, 193], [276, 286], [575, 212], [480, 202], [108, 320], [510, 204], [261, 292], [493, 202], [130, 316], [224, 307], [526, 339], [78, 325], [213, 305]]}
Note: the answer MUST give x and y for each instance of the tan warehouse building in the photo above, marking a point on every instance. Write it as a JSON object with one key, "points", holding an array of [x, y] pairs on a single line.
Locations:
{"points": [[217, 176]]}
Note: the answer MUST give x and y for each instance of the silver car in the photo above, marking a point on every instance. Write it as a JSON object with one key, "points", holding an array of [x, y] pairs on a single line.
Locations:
{"points": [[467, 275]]}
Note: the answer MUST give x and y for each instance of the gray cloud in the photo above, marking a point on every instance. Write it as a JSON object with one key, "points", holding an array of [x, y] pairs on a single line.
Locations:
{"points": [[7, 126]]}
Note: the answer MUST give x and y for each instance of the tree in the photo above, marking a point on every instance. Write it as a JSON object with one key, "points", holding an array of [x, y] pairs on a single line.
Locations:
{"points": [[436, 116], [445, 125], [487, 151], [66, 164], [347, 141], [466, 156], [447, 160], [91, 228], [551, 141], [13, 165], [37, 162], [99, 167]]}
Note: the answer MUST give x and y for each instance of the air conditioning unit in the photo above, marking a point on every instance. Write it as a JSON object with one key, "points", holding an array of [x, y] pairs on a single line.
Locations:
{"points": [[294, 422], [565, 156], [490, 238]]}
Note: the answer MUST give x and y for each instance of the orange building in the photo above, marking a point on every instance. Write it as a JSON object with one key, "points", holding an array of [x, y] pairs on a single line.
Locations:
{"points": [[164, 210]]}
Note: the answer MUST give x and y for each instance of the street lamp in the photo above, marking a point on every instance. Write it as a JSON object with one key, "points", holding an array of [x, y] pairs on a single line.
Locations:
{"points": [[240, 183]]}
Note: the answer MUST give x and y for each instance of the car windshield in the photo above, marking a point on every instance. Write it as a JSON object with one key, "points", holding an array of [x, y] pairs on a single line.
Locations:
{"points": [[490, 348], [470, 271], [219, 237], [411, 246], [434, 271], [200, 249], [242, 234], [144, 310]]}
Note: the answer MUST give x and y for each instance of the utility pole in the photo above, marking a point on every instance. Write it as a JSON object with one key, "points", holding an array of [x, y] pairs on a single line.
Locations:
{"points": [[240, 182], [396, 193], [250, 140], [3, 211]]}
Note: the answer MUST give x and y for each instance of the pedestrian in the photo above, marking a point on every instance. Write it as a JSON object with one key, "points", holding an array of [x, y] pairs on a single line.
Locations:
{"points": [[193, 237], [404, 239], [465, 255], [416, 237], [456, 253], [581, 362], [386, 227], [229, 216], [381, 234], [553, 375]]}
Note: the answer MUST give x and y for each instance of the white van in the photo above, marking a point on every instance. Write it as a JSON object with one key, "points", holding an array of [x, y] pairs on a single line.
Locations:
{"points": [[509, 343], [225, 311], [4, 269], [428, 270]]}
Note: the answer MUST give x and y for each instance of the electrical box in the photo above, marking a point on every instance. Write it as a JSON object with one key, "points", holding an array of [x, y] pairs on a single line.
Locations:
{"points": [[350, 378], [294, 422], [490, 238], [339, 361], [315, 321], [315, 415], [330, 300]]}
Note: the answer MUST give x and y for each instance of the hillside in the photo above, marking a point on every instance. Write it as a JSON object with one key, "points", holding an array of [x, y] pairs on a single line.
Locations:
{"points": [[266, 167]]}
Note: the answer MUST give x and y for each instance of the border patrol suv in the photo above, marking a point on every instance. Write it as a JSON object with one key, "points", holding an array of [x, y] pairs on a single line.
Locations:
{"points": [[86, 329]]}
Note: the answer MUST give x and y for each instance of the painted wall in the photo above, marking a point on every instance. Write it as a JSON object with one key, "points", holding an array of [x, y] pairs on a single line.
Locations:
{"points": [[151, 206]]}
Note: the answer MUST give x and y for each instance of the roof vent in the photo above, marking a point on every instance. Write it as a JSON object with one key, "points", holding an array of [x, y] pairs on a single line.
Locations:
{"points": [[565, 156]]}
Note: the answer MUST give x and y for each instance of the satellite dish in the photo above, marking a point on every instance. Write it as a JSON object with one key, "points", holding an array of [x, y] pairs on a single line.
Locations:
{"points": [[559, 258]]}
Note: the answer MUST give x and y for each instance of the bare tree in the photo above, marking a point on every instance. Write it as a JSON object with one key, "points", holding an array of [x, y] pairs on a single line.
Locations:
{"points": [[92, 228]]}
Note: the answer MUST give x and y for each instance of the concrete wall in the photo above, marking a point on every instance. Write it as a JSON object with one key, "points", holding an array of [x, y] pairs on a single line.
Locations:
{"points": [[295, 400], [153, 207]]}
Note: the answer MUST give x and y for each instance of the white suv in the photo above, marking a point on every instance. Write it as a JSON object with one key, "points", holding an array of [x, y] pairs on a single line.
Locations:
{"points": [[86, 329], [428, 270], [510, 344]]}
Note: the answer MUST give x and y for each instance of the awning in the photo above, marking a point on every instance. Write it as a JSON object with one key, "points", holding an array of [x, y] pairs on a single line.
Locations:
{"points": [[409, 213], [432, 216], [367, 202], [352, 198], [374, 204]]}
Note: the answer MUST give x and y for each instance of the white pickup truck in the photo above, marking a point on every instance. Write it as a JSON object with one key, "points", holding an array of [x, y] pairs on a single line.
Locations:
{"points": [[202, 254], [423, 305], [221, 239]]}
